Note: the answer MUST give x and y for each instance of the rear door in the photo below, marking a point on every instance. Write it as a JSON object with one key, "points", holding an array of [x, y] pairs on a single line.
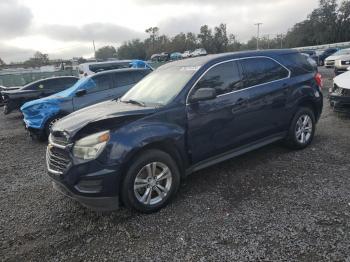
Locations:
{"points": [[98, 90], [269, 85]]}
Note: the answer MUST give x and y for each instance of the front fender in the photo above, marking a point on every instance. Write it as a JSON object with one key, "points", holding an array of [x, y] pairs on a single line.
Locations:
{"points": [[129, 140], [37, 118]]}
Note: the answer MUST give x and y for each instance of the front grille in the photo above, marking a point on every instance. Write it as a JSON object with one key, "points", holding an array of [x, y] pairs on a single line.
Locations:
{"points": [[59, 138], [341, 91], [58, 160], [330, 62], [345, 92]]}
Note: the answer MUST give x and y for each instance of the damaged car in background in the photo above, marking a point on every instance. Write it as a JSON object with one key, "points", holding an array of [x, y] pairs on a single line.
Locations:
{"points": [[39, 115], [13, 99], [339, 94], [6, 88]]}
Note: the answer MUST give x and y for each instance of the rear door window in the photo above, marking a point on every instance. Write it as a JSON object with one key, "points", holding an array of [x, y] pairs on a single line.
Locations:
{"points": [[262, 70], [124, 79], [225, 78], [99, 83]]}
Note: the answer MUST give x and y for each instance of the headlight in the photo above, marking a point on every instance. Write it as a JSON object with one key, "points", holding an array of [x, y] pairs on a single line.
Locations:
{"points": [[91, 146]]}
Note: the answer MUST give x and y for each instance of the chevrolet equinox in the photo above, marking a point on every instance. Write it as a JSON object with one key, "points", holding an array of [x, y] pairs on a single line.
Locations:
{"points": [[183, 117]]}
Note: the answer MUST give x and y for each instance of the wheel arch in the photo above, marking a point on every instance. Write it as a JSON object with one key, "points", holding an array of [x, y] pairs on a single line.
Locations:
{"points": [[310, 103], [167, 145]]}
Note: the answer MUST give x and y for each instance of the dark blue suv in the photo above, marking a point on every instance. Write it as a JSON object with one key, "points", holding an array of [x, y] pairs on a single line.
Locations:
{"points": [[183, 117]]}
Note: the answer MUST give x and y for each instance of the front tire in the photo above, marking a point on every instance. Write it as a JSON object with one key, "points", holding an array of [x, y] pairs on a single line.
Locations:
{"points": [[151, 181], [302, 129]]}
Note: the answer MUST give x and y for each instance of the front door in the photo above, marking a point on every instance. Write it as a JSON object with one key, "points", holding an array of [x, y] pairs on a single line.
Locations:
{"points": [[215, 126]]}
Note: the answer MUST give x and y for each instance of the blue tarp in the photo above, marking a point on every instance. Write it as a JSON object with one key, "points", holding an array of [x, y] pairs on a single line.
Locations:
{"points": [[38, 111], [139, 64]]}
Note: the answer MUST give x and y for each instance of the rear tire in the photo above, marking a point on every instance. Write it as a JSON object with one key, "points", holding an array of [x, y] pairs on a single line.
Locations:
{"points": [[302, 129], [151, 181]]}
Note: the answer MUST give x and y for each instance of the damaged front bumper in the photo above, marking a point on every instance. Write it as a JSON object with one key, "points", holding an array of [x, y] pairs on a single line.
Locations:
{"points": [[340, 100]]}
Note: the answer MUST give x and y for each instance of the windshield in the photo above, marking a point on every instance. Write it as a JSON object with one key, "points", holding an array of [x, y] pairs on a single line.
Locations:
{"points": [[343, 52], [161, 86]]}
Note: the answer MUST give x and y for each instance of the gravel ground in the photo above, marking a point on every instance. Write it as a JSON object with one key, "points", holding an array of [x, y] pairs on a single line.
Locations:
{"points": [[271, 204]]}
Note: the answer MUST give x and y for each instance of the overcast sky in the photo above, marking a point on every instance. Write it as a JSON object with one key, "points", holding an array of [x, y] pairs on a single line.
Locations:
{"points": [[66, 28]]}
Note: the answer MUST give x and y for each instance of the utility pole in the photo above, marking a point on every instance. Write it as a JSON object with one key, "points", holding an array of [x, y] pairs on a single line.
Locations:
{"points": [[93, 43], [281, 36], [258, 35]]}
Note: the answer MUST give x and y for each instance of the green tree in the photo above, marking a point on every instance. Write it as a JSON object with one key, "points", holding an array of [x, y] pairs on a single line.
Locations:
{"points": [[191, 41], [81, 60], [38, 59], [233, 43], [220, 38], [134, 49], [106, 52], [206, 38], [153, 37]]}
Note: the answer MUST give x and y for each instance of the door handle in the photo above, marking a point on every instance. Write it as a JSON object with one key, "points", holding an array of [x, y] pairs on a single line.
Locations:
{"points": [[241, 103]]}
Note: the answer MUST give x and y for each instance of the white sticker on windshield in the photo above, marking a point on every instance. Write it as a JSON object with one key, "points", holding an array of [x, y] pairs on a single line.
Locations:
{"points": [[189, 68]]}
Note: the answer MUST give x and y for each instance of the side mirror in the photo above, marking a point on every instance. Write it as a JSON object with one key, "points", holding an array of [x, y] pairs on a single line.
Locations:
{"points": [[203, 94], [80, 92]]}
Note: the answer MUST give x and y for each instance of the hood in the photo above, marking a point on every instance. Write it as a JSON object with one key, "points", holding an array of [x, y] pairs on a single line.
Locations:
{"points": [[333, 57], [53, 99], [343, 80], [109, 110], [45, 100], [337, 57], [344, 57]]}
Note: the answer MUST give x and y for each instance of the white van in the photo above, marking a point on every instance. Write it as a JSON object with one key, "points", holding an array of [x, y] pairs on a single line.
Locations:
{"points": [[91, 68]]}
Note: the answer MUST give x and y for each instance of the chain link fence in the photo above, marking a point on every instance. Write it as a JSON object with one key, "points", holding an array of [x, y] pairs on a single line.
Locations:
{"points": [[21, 78]]}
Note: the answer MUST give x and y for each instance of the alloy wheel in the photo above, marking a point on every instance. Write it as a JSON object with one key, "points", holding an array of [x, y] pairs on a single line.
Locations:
{"points": [[153, 183], [304, 128]]}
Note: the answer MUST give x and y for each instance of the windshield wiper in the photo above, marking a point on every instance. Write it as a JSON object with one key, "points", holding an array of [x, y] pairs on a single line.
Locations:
{"points": [[135, 102]]}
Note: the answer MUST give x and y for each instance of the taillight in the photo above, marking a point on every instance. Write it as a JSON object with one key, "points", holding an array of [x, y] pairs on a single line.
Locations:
{"points": [[318, 79]]}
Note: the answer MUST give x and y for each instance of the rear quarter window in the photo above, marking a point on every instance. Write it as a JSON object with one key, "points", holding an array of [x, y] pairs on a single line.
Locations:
{"points": [[298, 64]]}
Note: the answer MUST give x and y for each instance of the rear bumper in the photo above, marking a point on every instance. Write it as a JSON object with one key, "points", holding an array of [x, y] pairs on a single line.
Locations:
{"points": [[94, 203]]}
